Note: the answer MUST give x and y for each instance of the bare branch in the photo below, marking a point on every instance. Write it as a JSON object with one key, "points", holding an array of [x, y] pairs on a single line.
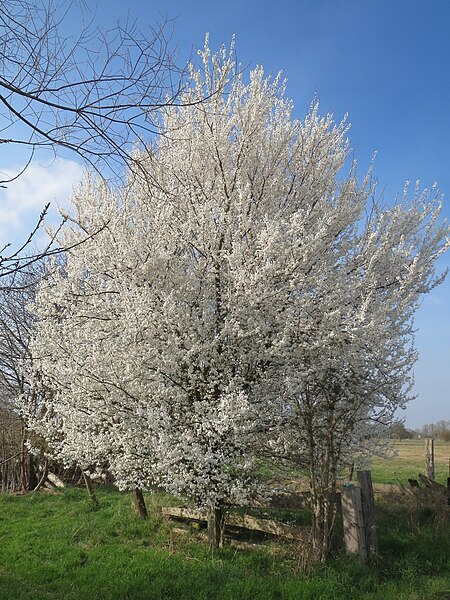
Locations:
{"points": [[94, 95]]}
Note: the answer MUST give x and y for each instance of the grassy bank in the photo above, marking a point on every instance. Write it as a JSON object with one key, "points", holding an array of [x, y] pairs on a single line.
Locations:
{"points": [[408, 462], [56, 546]]}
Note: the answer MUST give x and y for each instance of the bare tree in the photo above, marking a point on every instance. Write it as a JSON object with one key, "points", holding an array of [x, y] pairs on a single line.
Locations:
{"points": [[16, 463], [95, 94]]}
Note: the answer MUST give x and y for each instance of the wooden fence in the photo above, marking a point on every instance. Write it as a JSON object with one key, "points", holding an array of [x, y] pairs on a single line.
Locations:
{"points": [[355, 502], [242, 521]]}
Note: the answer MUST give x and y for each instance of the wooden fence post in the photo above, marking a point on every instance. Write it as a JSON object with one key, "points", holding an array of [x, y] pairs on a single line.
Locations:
{"points": [[353, 521], [89, 489], [368, 509], [429, 458]]}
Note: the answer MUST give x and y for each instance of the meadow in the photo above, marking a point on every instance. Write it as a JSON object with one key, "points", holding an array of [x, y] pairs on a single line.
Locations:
{"points": [[57, 546], [408, 461]]}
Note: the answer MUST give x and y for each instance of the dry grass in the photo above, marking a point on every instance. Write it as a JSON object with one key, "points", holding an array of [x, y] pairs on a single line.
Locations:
{"points": [[409, 461]]}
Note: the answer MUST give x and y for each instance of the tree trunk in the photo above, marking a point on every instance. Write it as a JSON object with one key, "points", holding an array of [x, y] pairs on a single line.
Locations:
{"points": [[24, 461], [215, 528], [322, 478], [32, 477], [323, 512], [139, 503]]}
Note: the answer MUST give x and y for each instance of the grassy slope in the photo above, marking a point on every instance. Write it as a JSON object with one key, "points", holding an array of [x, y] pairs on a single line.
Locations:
{"points": [[55, 547], [409, 462]]}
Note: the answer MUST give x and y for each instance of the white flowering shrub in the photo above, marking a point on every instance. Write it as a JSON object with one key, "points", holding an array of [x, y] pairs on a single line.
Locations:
{"points": [[248, 297]]}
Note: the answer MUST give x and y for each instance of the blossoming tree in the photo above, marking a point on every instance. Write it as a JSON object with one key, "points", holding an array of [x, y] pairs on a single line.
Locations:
{"points": [[240, 301]]}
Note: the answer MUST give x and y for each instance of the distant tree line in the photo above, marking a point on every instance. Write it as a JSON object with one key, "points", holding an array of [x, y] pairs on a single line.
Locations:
{"points": [[398, 431], [438, 431]]}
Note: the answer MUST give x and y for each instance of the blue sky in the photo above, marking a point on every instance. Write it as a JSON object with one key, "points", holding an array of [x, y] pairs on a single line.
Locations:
{"points": [[385, 63]]}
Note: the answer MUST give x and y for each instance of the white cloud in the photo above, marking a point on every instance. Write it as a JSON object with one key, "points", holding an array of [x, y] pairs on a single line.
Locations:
{"points": [[22, 201]]}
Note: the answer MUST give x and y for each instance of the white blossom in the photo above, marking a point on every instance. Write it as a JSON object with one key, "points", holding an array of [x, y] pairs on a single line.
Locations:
{"points": [[251, 296]]}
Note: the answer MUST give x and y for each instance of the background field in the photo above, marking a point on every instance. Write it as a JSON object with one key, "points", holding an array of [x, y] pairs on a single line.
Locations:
{"points": [[409, 461]]}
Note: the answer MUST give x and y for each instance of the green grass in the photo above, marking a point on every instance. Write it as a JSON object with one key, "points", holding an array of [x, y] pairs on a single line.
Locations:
{"points": [[57, 547], [409, 462]]}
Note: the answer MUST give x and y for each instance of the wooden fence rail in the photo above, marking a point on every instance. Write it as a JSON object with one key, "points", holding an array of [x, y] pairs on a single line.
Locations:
{"points": [[243, 521]]}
